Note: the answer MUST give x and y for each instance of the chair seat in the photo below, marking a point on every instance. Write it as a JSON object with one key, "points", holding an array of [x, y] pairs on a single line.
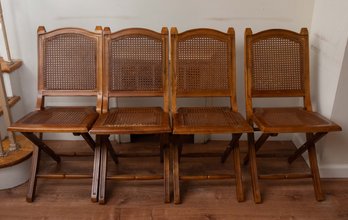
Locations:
{"points": [[289, 120], [144, 120], [57, 119], [208, 120]]}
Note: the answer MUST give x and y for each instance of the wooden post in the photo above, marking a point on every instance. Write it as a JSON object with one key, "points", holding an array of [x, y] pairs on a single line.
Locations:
{"points": [[3, 28], [7, 115], [2, 153], [3, 95]]}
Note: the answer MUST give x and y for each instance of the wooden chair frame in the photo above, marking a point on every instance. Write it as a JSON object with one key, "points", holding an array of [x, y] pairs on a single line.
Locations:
{"points": [[178, 131], [103, 132], [313, 133], [34, 131]]}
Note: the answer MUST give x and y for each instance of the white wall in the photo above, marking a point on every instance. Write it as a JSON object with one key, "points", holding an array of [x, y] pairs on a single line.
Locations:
{"points": [[329, 34], [24, 16], [329, 69], [333, 150]]}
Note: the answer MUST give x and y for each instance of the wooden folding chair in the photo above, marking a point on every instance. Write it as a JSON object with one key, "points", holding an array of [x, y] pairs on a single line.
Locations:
{"points": [[70, 64], [277, 65], [136, 65], [203, 65]]}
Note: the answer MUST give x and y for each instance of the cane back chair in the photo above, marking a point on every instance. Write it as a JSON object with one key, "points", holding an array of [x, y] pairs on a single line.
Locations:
{"points": [[277, 65], [136, 65], [203, 65], [69, 64]]}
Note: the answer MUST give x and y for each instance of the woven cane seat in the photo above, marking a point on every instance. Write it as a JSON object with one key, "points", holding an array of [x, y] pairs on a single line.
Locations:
{"points": [[209, 120], [132, 121], [287, 120], [57, 119]]}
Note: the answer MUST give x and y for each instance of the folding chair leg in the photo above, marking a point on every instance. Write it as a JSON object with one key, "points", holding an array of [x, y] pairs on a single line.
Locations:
{"points": [[235, 139], [262, 139], [96, 170], [311, 139], [238, 172], [34, 169], [176, 177], [253, 168], [166, 165], [103, 171], [161, 153], [89, 140], [319, 195], [164, 142], [38, 142], [179, 148], [108, 144]]}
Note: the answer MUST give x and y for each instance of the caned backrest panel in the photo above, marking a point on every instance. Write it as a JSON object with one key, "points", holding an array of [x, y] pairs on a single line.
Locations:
{"points": [[69, 62], [203, 63], [136, 62], [277, 63]]}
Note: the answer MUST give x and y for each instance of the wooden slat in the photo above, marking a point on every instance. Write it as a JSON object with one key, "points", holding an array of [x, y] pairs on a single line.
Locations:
{"points": [[8, 67], [11, 102], [285, 176], [208, 177], [64, 176], [135, 177]]}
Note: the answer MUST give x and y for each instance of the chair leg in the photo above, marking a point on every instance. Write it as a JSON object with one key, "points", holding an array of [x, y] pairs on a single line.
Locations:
{"points": [[164, 142], [34, 170], [96, 170], [179, 148], [238, 172], [319, 195], [253, 168], [262, 139], [161, 153], [311, 139], [89, 140], [166, 165], [110, 149], [176, 177], [38, 142], [235, 139], [103, 171]]}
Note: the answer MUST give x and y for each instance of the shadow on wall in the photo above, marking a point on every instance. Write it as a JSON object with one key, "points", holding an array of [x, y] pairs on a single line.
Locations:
{"points": [[333, 149], [314, 65]]}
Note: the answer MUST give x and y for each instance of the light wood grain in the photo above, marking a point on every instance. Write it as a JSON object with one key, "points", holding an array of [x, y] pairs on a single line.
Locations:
{"points": [[11, 102], [9, 67], [211, 199], [15, 157], [266, 76]]}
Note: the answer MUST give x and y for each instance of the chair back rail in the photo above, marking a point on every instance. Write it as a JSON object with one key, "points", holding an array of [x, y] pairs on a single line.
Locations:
{"points": [[135, 64], [202, 60], [70, 63], [276, 65]]}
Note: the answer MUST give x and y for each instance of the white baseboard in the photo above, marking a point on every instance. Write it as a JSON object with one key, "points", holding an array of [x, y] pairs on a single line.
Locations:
{"points": [[227, 137], [61, 136], [201, 138], [326, 170], [334, 171], [122, 138]]}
